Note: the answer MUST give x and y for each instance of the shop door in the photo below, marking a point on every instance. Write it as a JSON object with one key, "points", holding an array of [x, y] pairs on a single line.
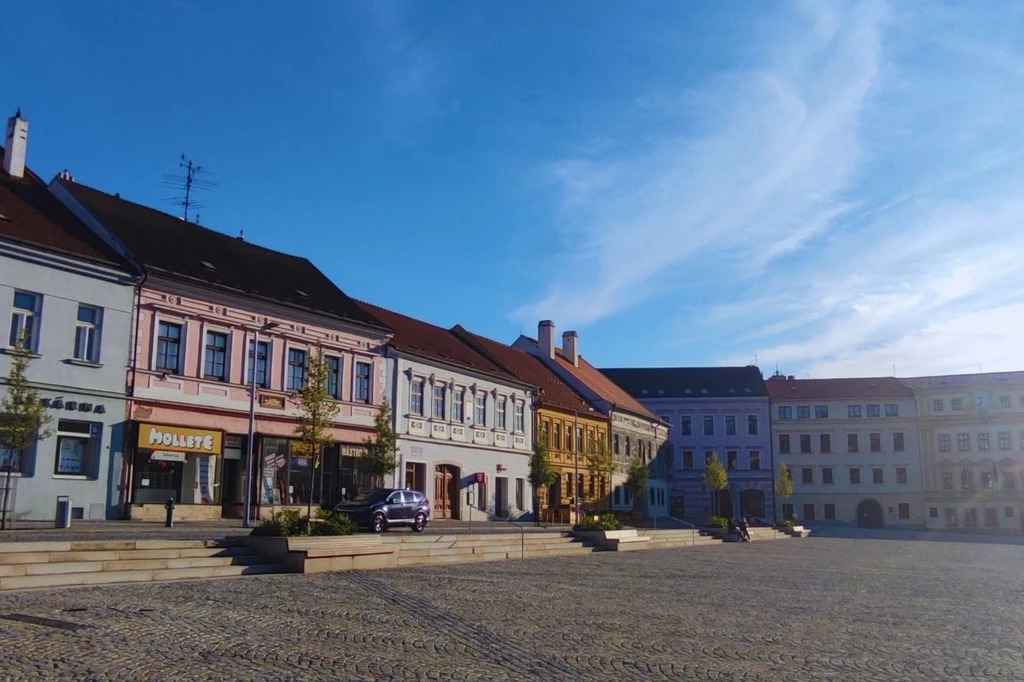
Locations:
{"points": [[501, 497], [446, 492], [231, 492]]}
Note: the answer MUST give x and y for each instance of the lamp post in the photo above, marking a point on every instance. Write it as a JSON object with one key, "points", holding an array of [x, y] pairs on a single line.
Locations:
{"points": [[253, 363]]}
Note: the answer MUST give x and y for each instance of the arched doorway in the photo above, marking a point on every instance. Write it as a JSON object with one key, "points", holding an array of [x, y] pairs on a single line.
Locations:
{"points": [[870, 515], [723, 503], [752, 503], [446, 491]]}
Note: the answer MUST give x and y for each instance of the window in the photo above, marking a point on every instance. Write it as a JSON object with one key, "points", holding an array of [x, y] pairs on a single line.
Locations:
{"points": [[984, 443], [787, 511], [807, 475], [615, 443], [687, 460], [951, 518], [438, 410], [901, 475], [897, 442], [830, 512], [708, 454], [579, 441], [13, 460], [215, 358], [803, 412], [825, 442], [784, 443], [87, 333], [480, 409], [629, 447], [875, 442], [808, 512], [877, 476], [945, 444], [520, 493], [873, 411], [1004, 402], [947, 481], [520, 416], [499, 414], [933, 512], [261, 364], [25, 320], [732, 457], [855, 476], [956, 404], [903, 509], [851, 443], [755, 460], [1008, 512], [892, 410], [963, 441], [1009, 480], [709, 425], [730, 425], [970, 518], [827, 476], [333, 367], [362, 392], [687, 426], [77, 447], [545, 436], [568, 439], [459, 406], [556, 436], [297, 370], [805, 443], [785, 412], [987, 481], [853, 411], [752, 425], [168, 347], [821, 411], [938, 405], [1004, 440]]}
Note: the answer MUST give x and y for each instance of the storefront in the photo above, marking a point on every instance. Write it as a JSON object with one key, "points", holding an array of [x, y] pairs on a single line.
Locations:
{"points": [[180, 464], [288, 477]]}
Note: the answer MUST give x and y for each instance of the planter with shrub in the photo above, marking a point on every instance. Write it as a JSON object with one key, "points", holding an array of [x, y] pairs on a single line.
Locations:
{"points": [[289, 523]]}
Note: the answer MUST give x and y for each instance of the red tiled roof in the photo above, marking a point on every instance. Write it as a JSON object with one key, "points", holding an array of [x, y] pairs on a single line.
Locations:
{"points": [[429, 341], [784, 388], [30, 214], [958, 380], [555, 393]]}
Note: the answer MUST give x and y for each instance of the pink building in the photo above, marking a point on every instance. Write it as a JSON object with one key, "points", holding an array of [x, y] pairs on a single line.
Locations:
{"points": [[205, 299]]}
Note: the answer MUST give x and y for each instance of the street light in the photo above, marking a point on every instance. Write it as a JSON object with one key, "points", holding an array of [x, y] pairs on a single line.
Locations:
{"points": [[247, 498]]}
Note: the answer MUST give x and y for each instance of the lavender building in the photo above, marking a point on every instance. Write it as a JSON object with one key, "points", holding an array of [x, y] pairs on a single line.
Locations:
{"points": [[710, 409]]}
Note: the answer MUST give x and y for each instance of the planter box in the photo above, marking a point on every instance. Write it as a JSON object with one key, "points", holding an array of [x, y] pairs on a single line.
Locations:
{"points": [[324, 554], [613, 540]]}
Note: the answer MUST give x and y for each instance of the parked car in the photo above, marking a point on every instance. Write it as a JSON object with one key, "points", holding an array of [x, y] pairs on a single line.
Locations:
{"points": [[380, 509]]}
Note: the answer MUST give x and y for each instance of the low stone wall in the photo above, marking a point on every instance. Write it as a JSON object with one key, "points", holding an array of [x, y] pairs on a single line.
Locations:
{"points": [[182, 512]]}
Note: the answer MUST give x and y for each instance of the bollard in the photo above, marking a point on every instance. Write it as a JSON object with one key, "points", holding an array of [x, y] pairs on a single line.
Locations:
{"points": [[169, 523], [63, 519]]}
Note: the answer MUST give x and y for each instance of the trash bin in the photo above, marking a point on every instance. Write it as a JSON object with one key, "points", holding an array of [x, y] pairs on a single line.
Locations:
{"points": [[63, 511]]}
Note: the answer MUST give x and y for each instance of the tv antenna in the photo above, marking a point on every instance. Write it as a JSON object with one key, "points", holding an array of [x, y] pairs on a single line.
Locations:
{"points": [[189, 182]]}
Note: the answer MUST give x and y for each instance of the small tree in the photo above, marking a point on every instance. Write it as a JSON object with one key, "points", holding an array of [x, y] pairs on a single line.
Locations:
{"points": [[23, 420], [318, 410], [784, 483], [600, 460], [381, 456], [716, 478], [541, 475], [636, 481]]}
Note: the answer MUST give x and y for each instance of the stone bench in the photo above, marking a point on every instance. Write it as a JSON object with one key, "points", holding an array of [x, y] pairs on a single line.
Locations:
{"points": [[325, 554], [614, 540]]}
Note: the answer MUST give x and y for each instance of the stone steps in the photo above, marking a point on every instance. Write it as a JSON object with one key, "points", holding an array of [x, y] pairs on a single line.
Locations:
{"points": [[426, 550]]}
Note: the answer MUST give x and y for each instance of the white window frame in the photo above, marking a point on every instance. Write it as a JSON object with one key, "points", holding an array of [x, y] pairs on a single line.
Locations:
{"points": [[458, 400], [443, 412], [500, 414], [369, 379], [519, 418], [208, 329], [414, 383], [92, 332], [476, 397], [22, 319]]}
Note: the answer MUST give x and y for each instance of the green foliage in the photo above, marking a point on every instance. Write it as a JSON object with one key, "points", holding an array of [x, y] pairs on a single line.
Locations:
{"points": [[784, 523], [717, 522], [268, 528], [715, 475], [289, 523], [636, 477], [317, 411], [600, 460], [381, 456], [23, 419], [606, 522], [784, 483], [333, 523], [541, 473]]}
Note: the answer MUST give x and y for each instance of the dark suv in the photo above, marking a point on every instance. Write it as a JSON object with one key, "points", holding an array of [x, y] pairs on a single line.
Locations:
{"points": [[380, 509]]}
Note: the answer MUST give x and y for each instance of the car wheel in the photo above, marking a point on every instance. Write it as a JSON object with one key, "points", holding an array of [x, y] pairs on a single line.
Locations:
{"points": [[419, 523], [379, 523]]}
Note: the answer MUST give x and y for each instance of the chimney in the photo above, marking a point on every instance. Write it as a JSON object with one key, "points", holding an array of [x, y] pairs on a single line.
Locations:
{"points": [[571, 347], [15, 145], [546, 338]]}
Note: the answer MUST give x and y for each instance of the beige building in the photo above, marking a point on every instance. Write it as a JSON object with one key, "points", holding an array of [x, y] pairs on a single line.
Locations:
{"points": [[852, 449], [972, 450]]}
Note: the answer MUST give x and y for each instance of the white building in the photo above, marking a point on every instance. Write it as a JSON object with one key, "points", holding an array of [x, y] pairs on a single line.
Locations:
{"points": [[852, 449], [69, 297], [463, 425]]}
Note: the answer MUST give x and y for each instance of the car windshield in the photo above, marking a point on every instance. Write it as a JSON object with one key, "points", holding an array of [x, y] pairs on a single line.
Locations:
{"points": [[372, 496]]}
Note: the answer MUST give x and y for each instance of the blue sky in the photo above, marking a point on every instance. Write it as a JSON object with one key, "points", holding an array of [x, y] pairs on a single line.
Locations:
{"points": [[833, 188]]}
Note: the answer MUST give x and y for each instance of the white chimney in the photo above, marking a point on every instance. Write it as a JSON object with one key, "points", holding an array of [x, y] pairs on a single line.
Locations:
{"points": [[571, 347], [16, 145], [546, 338]]}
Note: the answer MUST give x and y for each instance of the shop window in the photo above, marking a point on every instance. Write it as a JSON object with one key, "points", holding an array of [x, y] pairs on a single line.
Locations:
{"points": [[12, 461], [287, 477], [77, 448]]}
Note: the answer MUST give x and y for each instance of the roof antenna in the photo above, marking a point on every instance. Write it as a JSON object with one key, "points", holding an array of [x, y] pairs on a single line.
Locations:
{"points": [[187, 183], [241, 235]]}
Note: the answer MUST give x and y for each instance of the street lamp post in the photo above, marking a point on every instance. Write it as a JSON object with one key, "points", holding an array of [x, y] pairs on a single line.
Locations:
{"points": [[247, 498]]}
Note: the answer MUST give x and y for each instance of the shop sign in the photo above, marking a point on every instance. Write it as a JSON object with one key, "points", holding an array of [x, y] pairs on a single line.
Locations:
{"points": [[179, 439], [163, 456], [234, 442], [275, 402]]}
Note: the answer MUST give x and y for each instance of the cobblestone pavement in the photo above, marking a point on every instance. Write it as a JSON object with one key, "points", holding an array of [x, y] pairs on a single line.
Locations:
{"points": [[813, 609]]}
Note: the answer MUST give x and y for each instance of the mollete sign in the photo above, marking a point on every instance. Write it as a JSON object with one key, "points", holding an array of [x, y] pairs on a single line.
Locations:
{"points": [[179, 439]]}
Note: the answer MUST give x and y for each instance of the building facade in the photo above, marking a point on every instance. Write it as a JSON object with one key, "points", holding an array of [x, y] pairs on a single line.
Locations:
{"points": [[972, 450], [720, 411], [852, 449], [68, 299], [197, 367], [463, 425]]}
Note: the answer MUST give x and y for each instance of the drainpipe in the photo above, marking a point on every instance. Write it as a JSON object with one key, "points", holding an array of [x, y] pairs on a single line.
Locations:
{"points": [[127, 451]]}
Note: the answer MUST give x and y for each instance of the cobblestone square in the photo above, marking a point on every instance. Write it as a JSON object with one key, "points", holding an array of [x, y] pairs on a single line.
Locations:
{"points": [[814, 609]]}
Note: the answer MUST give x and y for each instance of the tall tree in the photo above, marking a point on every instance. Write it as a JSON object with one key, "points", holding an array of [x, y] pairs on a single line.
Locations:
{"points": [[784, 483], [541, 475], [600, 460], [716, 478], [636, 481], [381, 456], [23, 420], [318, 410]]}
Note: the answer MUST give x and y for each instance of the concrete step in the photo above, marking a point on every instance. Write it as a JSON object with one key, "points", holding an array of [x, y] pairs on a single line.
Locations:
{"points": [[104, 577], [57, 567], [102, 555]]}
